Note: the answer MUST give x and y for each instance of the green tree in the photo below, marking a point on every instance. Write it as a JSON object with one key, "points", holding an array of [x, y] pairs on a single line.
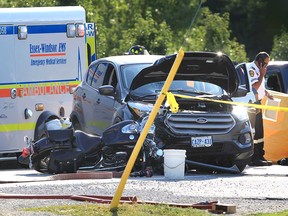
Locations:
{"points": [[253, 22], [212, 34], [279, 50], [155, 37], [28, 3], [121, 24], [162, 26]]}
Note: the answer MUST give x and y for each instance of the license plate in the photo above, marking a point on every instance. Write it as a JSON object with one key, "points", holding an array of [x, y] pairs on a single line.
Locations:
{"points": [[202, 141]]}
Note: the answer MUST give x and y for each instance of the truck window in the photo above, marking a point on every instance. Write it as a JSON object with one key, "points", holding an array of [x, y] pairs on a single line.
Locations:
{"points": [[273, 82]]}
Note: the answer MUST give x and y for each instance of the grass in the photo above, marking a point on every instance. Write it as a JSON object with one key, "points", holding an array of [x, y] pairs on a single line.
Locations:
{"points": [[123, 210], [130, 210]]}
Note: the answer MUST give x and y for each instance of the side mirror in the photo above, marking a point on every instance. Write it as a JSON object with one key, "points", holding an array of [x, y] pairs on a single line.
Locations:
{"points": [[241, 91], [107, 90]]}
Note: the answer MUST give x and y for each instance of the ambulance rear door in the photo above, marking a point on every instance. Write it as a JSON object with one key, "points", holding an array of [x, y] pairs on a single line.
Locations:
{"points": [[9, 124]]}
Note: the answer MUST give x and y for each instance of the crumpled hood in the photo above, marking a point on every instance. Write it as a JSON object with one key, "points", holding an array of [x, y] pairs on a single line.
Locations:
{"points": [[198, 66]]}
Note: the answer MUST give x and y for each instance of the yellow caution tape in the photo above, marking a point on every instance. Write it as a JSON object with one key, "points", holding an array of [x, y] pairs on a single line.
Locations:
{"points": [[115, 201], [173, 102], [174, 106]]}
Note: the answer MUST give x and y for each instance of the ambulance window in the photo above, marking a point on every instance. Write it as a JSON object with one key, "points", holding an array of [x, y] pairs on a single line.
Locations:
{"points": [[99, 74]]}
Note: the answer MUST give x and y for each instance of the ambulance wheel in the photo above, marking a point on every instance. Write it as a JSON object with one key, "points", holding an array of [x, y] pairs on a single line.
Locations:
{"points": [[76, 125]]}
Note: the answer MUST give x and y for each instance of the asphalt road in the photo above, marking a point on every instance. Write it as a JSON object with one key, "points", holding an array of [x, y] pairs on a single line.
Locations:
{"points": [[257, 189]]}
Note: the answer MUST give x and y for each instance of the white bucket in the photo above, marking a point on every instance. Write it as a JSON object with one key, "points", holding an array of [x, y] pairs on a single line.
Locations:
{"points": [[174, 163]]}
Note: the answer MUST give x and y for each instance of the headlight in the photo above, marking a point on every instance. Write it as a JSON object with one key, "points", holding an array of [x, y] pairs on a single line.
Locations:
{"points": [[136, 127], [240, 112], [140, 108], [131, 128]]}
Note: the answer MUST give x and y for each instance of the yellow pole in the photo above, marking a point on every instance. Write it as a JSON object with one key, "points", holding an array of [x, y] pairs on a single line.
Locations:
{"points": [[131, 161]]}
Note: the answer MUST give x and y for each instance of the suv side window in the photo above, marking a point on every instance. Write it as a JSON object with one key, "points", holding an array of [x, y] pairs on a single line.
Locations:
{"points": [[90, 74], [99, 74], [110, 76]]}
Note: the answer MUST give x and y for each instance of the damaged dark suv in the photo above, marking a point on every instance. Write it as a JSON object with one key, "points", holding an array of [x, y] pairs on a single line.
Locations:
{"points": [[211, 129]]}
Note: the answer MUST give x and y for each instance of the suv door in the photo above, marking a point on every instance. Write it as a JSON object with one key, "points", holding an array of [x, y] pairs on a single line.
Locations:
{"points": [[94, 79], [250, 96], [244, 82], [104, 109], [100, 109]]}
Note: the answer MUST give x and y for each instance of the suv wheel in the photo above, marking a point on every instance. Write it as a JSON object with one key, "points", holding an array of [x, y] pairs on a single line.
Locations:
{"points": [[241, 167]]}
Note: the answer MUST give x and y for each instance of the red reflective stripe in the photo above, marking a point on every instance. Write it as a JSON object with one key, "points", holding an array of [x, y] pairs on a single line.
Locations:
{"points": [[38, 90], [4, 93], [47, 54]]}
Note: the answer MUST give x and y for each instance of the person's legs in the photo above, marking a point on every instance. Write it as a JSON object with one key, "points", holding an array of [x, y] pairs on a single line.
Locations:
{"points": [[258, 156], [258, 137]]}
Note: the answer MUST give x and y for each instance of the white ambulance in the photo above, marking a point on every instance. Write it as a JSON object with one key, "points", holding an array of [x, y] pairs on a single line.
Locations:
{"points": [[44, 52]]}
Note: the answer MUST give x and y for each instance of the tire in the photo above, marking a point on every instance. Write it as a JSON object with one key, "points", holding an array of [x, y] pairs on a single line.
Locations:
{"points": [[241, 167], [76, 125], [241, 164]]}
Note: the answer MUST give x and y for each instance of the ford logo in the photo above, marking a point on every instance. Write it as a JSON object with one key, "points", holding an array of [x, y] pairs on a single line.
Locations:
{"points": [[201, 120]]}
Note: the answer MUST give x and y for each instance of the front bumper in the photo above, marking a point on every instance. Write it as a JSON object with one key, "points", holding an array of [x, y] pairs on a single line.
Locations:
{"points": [[228, 146]]}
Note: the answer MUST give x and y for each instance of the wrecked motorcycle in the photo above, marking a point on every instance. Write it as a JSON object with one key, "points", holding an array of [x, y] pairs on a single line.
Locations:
{"points": [[68, 150]]}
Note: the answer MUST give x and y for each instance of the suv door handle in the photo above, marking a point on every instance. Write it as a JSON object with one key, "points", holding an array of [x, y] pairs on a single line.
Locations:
{"points": [[84, 95], [98, 101]]}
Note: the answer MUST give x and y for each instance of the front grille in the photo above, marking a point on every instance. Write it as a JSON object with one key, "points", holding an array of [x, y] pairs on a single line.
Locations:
{"points": [[200, 123]]}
